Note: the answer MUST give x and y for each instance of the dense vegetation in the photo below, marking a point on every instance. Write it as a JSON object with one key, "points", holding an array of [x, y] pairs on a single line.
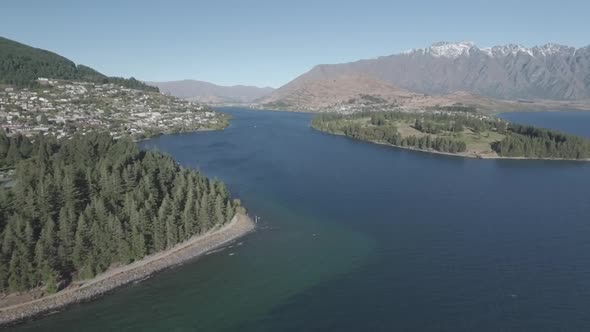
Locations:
{"points": [[21, 65], [77, 207], [13, 149], [443, 132], [532, 142], [455, 108], [382, 128]]}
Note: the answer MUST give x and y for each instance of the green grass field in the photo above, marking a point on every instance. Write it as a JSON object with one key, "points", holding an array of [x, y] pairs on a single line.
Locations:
{"points": [[477, 143]]}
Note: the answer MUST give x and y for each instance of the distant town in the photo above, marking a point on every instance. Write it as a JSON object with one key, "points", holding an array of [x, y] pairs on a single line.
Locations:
{"points": [[62, 108]]}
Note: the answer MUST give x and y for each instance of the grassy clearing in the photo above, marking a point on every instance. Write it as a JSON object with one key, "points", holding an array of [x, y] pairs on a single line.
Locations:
{"points": [[477, 143]]}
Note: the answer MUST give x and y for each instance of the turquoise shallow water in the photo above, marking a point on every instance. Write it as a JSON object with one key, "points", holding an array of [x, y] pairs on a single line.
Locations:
{"points": [[356, 236]]}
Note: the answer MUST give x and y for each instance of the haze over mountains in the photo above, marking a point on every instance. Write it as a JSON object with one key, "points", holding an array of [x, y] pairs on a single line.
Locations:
{"points": [[509, 72], [206, 92]]}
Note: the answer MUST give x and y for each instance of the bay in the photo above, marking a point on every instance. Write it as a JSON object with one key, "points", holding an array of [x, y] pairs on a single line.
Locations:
{"points": [[361, 237]]}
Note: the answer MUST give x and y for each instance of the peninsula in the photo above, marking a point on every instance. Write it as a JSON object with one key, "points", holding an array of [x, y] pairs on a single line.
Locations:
{"points": [[87, 290], [82, 209], [82, 216], [456, 131]]}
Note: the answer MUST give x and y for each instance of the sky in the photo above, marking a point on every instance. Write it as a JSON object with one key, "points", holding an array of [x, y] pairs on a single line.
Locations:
{"points": [[269, 43]]}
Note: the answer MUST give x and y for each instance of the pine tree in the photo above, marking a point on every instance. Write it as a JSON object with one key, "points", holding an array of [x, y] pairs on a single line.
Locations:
{"points": [[50, 278], [229, 211], [160, 232], [3, 273], [171, 231], [112, 204], [219, 210], [16, 279], [188, 215], [204, 219], [82, 243], [124, 253], [66, 233]]}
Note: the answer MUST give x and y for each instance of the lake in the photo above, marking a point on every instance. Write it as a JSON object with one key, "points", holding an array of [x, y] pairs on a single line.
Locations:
{"points": [[361, 237]]}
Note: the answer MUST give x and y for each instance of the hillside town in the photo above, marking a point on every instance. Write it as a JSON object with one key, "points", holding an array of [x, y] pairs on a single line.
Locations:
{"points": [[66, 107]]}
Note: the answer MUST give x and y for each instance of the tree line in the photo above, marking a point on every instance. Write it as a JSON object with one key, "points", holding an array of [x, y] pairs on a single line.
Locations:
{"points": [[383, 129], [442, 128], [454, 108], [532, 142], [78, 207], [13, 149]]}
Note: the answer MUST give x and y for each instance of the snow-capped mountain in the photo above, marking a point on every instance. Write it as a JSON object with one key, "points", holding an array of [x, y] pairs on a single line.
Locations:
{"points": [[454, 50], [449, 50], [511, 71]]}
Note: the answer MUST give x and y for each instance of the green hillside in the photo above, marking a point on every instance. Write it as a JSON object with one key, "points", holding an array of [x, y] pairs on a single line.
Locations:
{"points": [[21, 65]]}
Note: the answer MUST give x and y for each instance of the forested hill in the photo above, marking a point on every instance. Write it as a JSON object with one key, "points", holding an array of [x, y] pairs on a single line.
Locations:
{"points": [[21, 65], [76, 207]]}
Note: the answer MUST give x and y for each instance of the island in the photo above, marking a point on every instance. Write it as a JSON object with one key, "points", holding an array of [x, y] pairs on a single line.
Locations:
{"points": [[81, 216], [461, 132]]}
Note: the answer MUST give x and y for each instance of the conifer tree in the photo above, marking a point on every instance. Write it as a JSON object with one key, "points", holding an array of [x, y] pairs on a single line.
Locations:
{"points": [[81, 205]]}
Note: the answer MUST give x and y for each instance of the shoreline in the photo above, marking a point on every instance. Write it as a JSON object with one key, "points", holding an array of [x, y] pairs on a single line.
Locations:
{"points": [[460, 155], [137, 140], [137, 271], [473, 156]]}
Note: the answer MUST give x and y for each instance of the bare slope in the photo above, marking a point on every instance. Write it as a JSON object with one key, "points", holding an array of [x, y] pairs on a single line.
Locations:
{"points": [[550, 71], [355, 92], [318, 94]]}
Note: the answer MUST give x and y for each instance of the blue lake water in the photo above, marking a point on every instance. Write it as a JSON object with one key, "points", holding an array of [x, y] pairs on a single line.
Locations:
{"points": [[363, 237], [572, 122]]}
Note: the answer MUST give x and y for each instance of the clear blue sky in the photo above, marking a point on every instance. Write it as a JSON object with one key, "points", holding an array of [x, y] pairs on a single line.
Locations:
{"points": [[271, 42]]}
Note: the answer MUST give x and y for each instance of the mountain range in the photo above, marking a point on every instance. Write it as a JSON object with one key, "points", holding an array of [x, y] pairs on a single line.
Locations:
{"points": [[502, 77], [210, 93], [511, 73]]}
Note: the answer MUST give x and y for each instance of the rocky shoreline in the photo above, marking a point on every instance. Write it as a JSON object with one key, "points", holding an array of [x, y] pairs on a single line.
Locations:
{"points": [[137, 271]]}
